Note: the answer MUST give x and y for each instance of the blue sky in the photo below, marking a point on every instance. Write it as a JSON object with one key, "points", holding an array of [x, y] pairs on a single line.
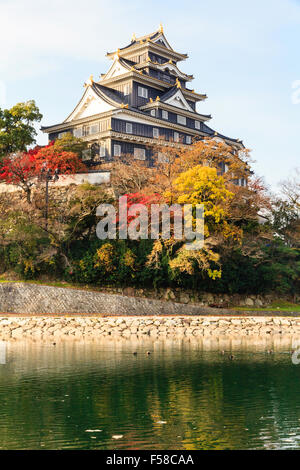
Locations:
{"points": [[244, 55]]}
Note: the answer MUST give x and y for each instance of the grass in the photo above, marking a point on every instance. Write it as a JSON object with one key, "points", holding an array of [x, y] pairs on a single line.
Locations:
{"points": [[282, 306], [52, 284]]}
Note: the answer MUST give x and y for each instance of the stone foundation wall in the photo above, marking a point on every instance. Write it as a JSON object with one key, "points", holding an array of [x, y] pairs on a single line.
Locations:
{"points": [[20, 297], [206, 299], [128, 327], [101, 177], [26, 298]]}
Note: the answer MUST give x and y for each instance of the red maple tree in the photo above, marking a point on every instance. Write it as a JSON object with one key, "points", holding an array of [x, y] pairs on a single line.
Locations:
{"points": [[138, 198], [24, 169]]}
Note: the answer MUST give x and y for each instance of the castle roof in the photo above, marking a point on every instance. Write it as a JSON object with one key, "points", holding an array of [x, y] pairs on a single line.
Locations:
{"points": [[156, 39]]}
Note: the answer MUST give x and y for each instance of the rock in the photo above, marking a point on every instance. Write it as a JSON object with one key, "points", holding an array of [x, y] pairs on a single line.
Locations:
{"points": [[169, 295], [236, 322], [208, 298], [129, 291], [57, 333], [249, 302], [258, 303], [184, 298], [17, 332]]}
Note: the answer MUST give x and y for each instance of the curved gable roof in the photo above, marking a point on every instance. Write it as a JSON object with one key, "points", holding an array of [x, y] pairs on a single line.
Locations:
{"points": [[103, 97]]}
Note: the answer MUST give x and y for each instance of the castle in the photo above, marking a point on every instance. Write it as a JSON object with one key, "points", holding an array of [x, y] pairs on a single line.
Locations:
{"points": [[144, 99]]}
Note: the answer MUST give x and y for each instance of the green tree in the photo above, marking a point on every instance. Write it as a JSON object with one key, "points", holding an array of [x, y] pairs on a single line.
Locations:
{"points": [[17, 129], [69, 143]]}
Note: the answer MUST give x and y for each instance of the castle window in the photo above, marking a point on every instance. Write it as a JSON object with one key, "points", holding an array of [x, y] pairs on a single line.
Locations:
{"points": [[165, 114], [155, 133], [181, 120], [94, 129], [166, 78], [142, 92], [153, 112], [86, 130], [139, 154], [176, 137], [128, 128], [188, 139], [197, 124], [117, 150], [102, 151], [78, 132]]}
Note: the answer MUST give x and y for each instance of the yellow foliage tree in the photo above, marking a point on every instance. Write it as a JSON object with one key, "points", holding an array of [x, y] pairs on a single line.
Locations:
{"points": [[202, 185]]}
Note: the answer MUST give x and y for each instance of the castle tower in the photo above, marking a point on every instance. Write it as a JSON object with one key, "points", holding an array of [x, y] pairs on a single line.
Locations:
{"points": [[143, 99]]}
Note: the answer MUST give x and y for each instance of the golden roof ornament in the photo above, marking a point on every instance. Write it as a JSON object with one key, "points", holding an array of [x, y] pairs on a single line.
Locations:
{"points": [[151, 100], [133, 38], [178, 84], [157, 98], [161, 28], [89, 82]]}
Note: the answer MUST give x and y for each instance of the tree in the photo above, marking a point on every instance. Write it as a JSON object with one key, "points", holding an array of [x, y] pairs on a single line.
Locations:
{"points": [[290, 189], [20, 170], [17, 129], [29, 247], [69, 143], [129, 175], [56, 158], [286, 222], [202, 185], [24, 169], [249, 201]]}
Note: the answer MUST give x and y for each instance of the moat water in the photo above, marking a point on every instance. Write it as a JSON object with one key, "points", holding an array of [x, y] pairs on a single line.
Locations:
{"points": [[91, 394]]}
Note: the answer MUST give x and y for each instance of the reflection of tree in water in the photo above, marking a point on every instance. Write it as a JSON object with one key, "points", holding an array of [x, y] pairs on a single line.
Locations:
{"points": [[206, 400]]}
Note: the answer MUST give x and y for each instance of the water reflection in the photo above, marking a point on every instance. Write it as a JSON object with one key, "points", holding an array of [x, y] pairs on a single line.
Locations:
{"points": [[188, 394]]}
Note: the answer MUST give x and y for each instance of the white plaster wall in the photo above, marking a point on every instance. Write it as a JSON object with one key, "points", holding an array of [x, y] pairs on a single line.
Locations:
{"points": [[79, 178]]}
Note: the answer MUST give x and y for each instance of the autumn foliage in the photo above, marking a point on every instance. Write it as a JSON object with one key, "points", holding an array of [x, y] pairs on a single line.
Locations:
{"points": [[24, 169]]}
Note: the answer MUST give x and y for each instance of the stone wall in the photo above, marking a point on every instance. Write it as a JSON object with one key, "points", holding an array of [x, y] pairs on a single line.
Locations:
{"points": [[100, 177], [129, 327], [206, 299], [20, 297]]}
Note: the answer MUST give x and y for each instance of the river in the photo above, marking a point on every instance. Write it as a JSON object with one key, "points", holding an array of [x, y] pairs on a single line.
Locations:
{"points": [[186, 394]]}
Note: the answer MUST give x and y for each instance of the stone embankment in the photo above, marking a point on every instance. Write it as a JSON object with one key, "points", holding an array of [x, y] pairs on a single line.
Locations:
{"points": [[25, 298], [59, 327]]}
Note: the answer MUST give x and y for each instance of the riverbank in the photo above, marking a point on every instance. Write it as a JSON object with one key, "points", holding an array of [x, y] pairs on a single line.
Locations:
{"points": [[19, 327], [36, 299]]}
